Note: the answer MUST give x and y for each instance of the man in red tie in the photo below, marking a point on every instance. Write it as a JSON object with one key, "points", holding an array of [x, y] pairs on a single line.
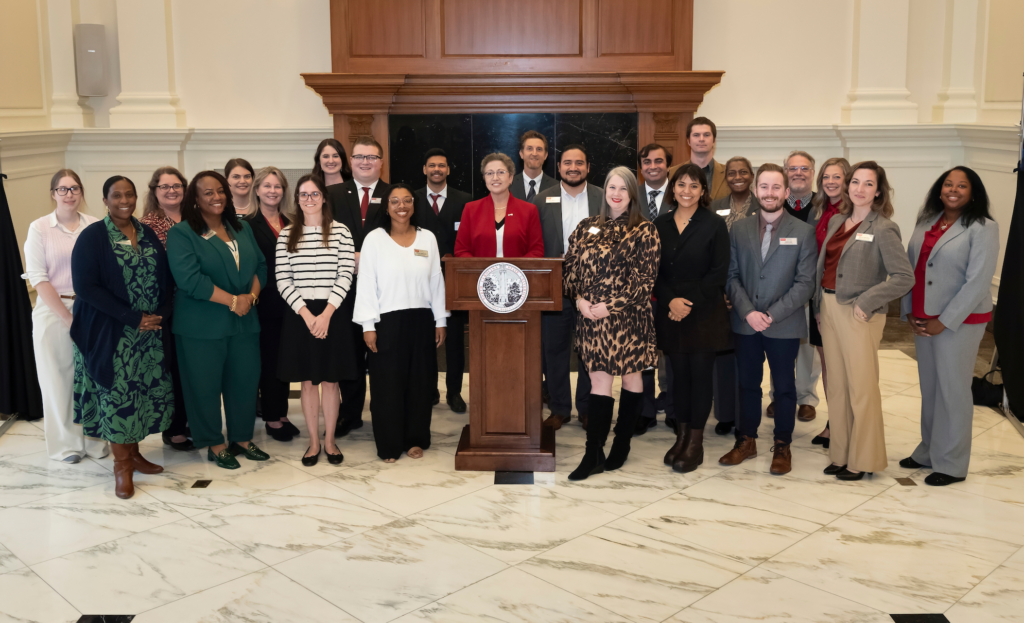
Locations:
{"points": [[439, 208]]}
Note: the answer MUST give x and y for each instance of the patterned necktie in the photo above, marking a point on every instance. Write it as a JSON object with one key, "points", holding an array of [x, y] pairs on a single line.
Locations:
{"points": [[767, 241], [434, 197], [653, 204], [533, 190], [365, 204]]}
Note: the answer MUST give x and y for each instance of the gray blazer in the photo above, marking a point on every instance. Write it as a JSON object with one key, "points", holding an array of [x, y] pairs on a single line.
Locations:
{"points": [[551, 216], [959, 272], [780, 285], [871, 272], [518, 187]]}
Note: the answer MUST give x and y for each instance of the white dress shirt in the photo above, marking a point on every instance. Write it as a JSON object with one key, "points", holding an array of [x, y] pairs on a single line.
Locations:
{"points": [[574, 210], [661, 196], [359, 189], [441, 196], [527, 180], [393, 278], [48, 249]]}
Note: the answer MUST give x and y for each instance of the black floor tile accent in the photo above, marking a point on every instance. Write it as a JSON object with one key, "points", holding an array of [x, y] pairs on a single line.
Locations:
{"points": [[513, 478], [906, 482], [919, 618], [201, 484], [106, 618]]}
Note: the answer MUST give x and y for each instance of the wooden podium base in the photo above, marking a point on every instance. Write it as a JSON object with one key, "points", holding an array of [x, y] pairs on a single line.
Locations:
{"points": [[507, 459]]}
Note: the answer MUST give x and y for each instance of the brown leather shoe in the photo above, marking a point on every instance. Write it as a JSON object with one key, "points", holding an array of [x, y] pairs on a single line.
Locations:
{"points": [[806, 413], [555, 421], [692, 455], [782, 462], [583, 420], [141, 464], [745, 448], [770, 411], [124, 467]]}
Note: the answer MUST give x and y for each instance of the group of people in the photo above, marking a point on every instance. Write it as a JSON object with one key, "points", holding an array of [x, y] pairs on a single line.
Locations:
{"points": [[231, 287]]}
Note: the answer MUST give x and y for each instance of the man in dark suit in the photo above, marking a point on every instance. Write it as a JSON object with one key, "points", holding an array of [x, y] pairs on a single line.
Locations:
{"points": [[771, 277], [533, 149], [439, 209], [561, 209], [359, 204]]}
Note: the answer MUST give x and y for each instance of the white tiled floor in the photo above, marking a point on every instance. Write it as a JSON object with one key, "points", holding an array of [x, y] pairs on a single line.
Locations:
{"points": [[418, 541]]}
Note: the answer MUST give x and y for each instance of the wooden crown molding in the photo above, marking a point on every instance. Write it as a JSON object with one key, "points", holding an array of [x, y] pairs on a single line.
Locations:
{"points": [[645, 92]]}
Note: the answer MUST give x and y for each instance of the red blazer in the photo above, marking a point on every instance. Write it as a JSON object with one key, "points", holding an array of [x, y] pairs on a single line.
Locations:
{"points": [[522, 234]]}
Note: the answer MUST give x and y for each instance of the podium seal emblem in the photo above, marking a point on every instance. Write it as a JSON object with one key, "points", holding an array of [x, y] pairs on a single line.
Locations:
{"points": [[502, 287]]}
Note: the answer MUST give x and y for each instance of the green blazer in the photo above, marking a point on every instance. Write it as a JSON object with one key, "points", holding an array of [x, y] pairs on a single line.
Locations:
{"points": [[198, 264]]}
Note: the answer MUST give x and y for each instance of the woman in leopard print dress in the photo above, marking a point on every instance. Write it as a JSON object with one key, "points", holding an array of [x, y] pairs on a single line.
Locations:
{"points": [[609, 271]]}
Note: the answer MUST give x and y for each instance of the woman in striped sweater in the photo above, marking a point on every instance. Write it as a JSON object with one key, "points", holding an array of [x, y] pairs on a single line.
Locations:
{"points": [[315, 262]]}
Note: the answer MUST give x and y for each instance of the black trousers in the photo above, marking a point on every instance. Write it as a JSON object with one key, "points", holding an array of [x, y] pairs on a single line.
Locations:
{"points": [[455, 351], [557, 329], [692, 387], [727, 387], [402, 379], [179, 421], [353, 393], [273, 391]]}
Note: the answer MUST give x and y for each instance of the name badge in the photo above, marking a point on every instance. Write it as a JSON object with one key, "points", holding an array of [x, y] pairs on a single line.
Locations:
{"points": [[865, 237], [723, 212], [457, 225], [419, 253], [787, 242], [594, 230], [374, 199], [208, 235], [554, 200]]}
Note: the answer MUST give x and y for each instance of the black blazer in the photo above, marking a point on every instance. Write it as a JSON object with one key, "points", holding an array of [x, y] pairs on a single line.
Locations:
{"points": [[695, 266], [345, 199], [442, 225], [271, 304]]}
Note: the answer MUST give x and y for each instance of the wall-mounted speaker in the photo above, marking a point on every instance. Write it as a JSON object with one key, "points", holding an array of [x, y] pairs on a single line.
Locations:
{"points": [[91, 59]]}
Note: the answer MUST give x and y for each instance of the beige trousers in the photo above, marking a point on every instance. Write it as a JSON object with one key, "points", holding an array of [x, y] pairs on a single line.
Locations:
{"points": [[854, 400]]}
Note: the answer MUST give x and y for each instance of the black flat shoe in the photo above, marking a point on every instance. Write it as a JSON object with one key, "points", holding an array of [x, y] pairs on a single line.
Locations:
{"points": [[723, 428], [334, 459], [278, 434], [939, 479], [456, 403], [846, 474], [437, 397], [670, 422], [834, 469], [310, 461], [821, 441], [292, 429], [347, 427], [910, 463], [180, 446], [643, 424]]}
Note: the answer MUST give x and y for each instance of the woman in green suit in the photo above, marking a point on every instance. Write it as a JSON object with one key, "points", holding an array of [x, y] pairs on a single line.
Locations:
{"points": [[219, 271]]}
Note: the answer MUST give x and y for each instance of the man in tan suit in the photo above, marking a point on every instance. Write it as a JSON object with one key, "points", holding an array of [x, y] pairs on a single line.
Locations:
{"points": [[701, 134]]}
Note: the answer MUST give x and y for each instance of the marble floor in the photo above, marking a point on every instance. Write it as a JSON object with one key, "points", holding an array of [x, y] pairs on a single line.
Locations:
{"points": [[418, 541]]}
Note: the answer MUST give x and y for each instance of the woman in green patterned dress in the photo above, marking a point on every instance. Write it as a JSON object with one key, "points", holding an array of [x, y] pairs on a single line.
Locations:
{"points": [[123, 389]]}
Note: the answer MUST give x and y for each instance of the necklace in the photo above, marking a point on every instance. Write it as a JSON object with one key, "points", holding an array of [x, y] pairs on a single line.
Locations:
{"points": [[945, 225]]}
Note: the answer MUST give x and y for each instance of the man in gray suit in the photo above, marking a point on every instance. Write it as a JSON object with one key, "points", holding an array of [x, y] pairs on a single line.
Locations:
{"points": [[533, 149], [561, 209], [771, 278]]}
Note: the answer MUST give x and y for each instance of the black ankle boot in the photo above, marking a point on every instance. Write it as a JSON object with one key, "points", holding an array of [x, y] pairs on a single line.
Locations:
{"points": [[682, 438], [599, 424], [630, 404]]}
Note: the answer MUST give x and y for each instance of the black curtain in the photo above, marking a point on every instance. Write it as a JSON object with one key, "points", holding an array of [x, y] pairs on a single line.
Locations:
{"points": [[1009, 332], [19, 385]]}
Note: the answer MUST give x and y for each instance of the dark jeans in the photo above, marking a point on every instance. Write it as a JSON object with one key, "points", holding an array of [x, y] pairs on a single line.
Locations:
{"points": [[751, 351], [557, 329], [727, 388], [273, 391], [455, 351], [692, 387]]}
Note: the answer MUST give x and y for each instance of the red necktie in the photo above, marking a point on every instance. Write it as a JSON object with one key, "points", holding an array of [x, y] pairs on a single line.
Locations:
{"points": [[434, 206], [365, 204], [797, 207]]}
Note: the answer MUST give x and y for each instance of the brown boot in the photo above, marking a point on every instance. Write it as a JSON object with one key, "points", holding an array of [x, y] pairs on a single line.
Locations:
{"points": [[782, 462], [745, 448], [124, 467], [693, 454], [682, 434], [141, 464]]}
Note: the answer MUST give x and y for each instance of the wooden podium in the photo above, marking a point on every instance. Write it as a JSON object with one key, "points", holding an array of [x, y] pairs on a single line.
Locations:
{"points": [[505, 431]]}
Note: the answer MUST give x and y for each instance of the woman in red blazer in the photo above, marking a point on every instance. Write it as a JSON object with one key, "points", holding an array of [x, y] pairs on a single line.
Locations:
{"points": [[499, 225]]}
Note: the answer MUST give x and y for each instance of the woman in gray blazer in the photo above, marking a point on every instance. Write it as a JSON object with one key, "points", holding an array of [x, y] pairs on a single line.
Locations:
{"points": [[861, 268], [953, 251]]}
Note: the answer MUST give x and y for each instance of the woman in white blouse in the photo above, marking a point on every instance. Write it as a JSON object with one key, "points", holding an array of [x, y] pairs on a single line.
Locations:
{"points": [[315, 262], [400, 304], [48, 268]]}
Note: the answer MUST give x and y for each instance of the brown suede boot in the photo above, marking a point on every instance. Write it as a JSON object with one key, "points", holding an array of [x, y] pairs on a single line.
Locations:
{"points": [[693, 453], [141, 464], [682, 434], [782, 462], [745, 448], [124, 467]]}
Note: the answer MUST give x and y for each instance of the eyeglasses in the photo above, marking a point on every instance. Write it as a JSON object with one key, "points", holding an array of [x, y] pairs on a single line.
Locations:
{"points": [[395, 201], [63, 190], [799, 169], [497, 173], [312, 195], [370, 159], [166, 187]]}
